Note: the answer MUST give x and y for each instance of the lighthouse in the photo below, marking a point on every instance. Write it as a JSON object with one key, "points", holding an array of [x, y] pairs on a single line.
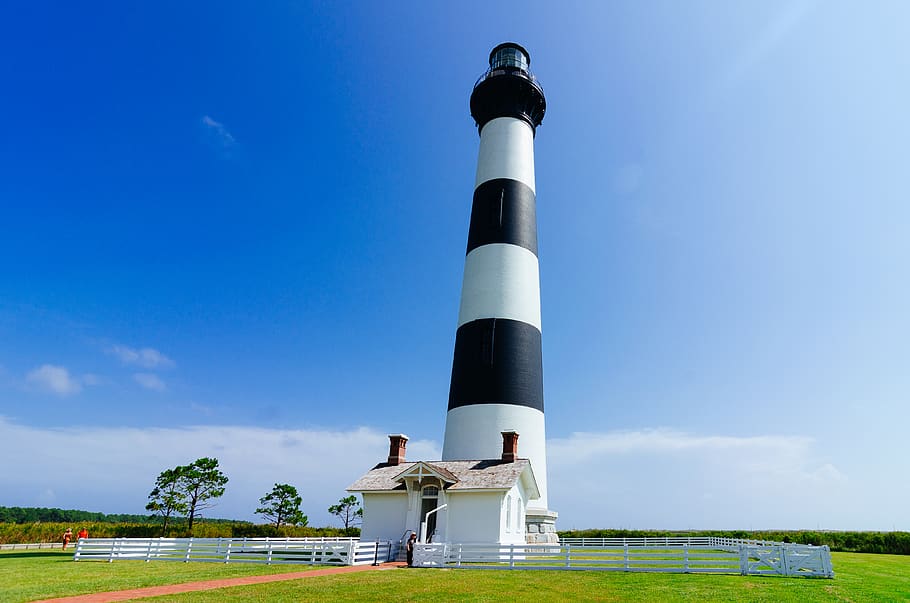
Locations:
{"points": [[491, 484], [497, 369]]}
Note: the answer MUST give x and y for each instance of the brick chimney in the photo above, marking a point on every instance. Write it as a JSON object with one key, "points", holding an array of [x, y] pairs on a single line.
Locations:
{"points": [[509, 446], [397, 443]]}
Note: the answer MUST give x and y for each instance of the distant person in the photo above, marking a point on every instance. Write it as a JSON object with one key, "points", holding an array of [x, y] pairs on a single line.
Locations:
{"points": [[67, 536], [409, 547], [83, 533]]}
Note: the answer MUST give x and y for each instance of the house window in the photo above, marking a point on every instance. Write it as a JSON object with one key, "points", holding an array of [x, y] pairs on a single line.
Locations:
{"points": [[509, 513], [430, 492]]}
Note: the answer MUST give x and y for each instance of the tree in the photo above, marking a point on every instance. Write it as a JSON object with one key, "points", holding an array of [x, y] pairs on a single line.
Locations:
{"points": [[167, 499], [348, 510], [282, 505], [200, 482]]}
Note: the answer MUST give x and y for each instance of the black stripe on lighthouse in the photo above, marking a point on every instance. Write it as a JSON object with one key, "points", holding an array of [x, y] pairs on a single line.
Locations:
{"points": [[497, 361], [510, 93], [504, 211]]}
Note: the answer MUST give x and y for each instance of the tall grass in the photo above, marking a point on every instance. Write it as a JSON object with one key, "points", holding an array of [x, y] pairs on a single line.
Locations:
{"points": [[894, 543], [18, 533]]}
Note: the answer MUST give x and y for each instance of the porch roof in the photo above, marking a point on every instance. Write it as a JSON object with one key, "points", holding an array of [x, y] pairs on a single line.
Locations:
{"points": [[490, 474]]}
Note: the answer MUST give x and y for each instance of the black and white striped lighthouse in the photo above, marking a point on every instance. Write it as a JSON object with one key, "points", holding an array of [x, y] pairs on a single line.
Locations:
{"points": [[497, 372]]}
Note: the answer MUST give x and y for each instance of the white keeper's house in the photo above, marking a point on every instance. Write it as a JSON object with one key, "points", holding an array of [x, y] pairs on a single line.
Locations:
{"points": [[483, 500]]}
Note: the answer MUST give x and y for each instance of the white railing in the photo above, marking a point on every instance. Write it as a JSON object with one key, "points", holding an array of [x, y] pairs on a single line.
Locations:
{"points": [[31, 545], [712, 541], [306, 551], [679, 555]]}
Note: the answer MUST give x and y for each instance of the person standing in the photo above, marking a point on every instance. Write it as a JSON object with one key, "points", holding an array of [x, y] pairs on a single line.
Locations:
{"points": [[409, 547], [83, 533], [67, 536]]}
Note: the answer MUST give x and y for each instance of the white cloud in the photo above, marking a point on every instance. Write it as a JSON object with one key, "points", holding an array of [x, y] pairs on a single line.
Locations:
{"points": [[783, 24], [656, 478], [144, 357], [92, 379], [150, 381], [113, 469], [52, 378], [202, 409], [662, 478], [220, 132]]}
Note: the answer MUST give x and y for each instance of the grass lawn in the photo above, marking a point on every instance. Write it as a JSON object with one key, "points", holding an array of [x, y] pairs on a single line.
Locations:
{"points": [[27, 576], [42, 574]]}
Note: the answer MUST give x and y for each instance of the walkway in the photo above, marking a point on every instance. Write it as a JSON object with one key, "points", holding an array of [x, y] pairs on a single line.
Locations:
{"points": [[171, 589]]}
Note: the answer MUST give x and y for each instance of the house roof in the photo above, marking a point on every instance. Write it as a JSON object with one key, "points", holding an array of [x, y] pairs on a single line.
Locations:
{"points": [[487, 474]]}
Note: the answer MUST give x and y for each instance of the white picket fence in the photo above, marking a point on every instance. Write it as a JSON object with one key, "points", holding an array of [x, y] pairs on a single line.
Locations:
{"points": [[306, 551], [679, 555], [31, 545]]}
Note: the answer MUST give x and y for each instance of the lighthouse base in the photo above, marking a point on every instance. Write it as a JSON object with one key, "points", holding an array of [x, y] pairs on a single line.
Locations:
{"points": [[540, 526]]}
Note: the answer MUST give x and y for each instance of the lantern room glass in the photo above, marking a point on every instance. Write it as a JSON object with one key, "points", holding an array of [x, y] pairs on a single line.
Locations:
{"points": [[509, 57]]}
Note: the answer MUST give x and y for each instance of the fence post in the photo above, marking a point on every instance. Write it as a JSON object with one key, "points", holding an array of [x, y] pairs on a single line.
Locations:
{"points": [[744, 560], [686, 558], [148, 551], [458, 561], [511, 556], [376, 553], [826, 562], [784, 560], [625, 556], [189, 549], [568, 555], [269, 544], [227, 553]]}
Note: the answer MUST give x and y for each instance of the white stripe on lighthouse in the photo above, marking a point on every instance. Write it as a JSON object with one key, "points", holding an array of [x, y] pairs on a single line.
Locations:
{"points": [[474, 432], [501, 281], [506, 151]]}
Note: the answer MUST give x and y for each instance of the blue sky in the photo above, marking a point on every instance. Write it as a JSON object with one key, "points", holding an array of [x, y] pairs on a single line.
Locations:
{"points": [[239, 231]]}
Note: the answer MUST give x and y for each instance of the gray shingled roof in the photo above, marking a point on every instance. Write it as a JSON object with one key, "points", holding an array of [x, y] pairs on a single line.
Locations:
{"points": [[471, 475]]}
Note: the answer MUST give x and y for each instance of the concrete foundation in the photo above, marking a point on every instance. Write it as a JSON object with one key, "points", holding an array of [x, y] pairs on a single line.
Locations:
{"points": [[541, 527]]}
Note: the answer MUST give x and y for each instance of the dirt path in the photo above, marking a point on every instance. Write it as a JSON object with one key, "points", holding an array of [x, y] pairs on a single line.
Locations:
{"points": [[170, 589]]}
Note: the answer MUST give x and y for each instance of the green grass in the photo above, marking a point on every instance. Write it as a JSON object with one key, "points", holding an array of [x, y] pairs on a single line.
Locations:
{"points": [[42, 574], [32, 575]]}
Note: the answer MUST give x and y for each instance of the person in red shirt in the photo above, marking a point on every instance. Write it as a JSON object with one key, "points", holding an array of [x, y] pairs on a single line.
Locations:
{"points": [[83, 533]]}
